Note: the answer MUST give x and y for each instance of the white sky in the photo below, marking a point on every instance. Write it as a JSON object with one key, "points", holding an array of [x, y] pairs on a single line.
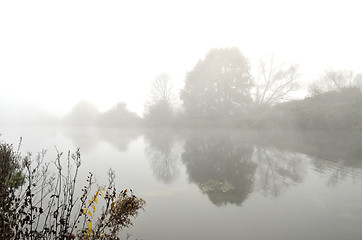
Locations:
{"points": [[55, 53]]}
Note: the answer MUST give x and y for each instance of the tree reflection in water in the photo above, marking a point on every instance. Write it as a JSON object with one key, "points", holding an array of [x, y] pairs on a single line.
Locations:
{"points": [[163, 154], [87, 138], [277, 169], [227, 166], [221, 165]]}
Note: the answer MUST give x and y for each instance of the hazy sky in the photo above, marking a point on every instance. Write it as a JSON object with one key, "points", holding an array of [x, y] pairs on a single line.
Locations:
{"points": [[55, 53]]}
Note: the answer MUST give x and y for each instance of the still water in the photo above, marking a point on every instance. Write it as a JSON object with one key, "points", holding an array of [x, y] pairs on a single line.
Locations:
{"points": [[222, 184]]}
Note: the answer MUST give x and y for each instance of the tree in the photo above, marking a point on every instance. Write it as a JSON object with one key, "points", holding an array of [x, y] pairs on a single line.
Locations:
{"points": [[219, 85], [336, 80], [163, 89], [275, 82], [118, 116], [159, 110], [82, 114]]}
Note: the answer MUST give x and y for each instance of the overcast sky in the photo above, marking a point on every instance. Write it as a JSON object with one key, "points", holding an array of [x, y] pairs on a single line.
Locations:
{"points": [[55, 53]]}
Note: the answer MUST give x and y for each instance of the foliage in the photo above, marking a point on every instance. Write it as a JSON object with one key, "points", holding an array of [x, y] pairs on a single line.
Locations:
{"points": [[159, 114], [82, 114], [218, 86], [87, 114], [10, 167], [46, 206], [334, 110], [118, 116]]}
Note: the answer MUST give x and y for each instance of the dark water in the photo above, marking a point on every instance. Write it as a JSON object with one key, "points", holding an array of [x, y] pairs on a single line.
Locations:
{"points": [[223, 184]]}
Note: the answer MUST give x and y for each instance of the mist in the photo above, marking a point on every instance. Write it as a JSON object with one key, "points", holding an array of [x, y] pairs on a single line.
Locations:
{"points": [[205, 120]]}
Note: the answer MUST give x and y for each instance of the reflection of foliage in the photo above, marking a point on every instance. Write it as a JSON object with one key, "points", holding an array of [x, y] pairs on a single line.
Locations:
{"points": [[334, 154], [118, 137], [220, 164], [83, 137], [161, 152], [278, 169], [227, 166], [88, 138]]}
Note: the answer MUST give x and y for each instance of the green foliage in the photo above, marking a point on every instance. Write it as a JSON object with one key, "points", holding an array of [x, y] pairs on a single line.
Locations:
{"points": [[10, 167], [46, 206], [218, 86]]}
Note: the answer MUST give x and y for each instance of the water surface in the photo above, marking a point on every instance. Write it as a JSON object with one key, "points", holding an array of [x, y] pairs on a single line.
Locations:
{"points": [[222, 184]]}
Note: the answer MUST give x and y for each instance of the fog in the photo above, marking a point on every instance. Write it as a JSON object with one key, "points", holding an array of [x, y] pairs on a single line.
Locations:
{"points": [[232, 119], [54, 55]]}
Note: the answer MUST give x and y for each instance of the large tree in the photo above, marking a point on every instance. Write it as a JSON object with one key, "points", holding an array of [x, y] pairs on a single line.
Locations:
{"points": [[219, 85]]}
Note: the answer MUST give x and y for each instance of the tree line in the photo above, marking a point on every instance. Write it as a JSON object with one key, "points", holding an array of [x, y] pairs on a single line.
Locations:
{"points": [[221, 91]]}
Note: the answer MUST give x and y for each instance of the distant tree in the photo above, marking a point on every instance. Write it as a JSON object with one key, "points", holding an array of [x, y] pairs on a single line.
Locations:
{"points": [[275, 82], [82, 114], [159, 109], [118, 116], [163, 89], [159, 114], [219, 85], [336, 80]]}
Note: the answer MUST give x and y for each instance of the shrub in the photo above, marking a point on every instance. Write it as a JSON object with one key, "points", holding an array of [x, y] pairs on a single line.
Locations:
{"points": [[37, 205]]}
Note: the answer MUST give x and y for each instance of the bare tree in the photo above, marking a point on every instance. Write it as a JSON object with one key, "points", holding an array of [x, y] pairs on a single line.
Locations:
{"points": [[275, 82], [162, 89], [335, 80], [159, 109]]}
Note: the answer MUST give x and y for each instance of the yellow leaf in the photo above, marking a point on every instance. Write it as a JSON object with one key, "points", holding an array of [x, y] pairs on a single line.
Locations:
{"points": [[90, 226], [90, 214], [84, 210], [96, 200], [89, 202], [102, 188], [94, 208]]}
